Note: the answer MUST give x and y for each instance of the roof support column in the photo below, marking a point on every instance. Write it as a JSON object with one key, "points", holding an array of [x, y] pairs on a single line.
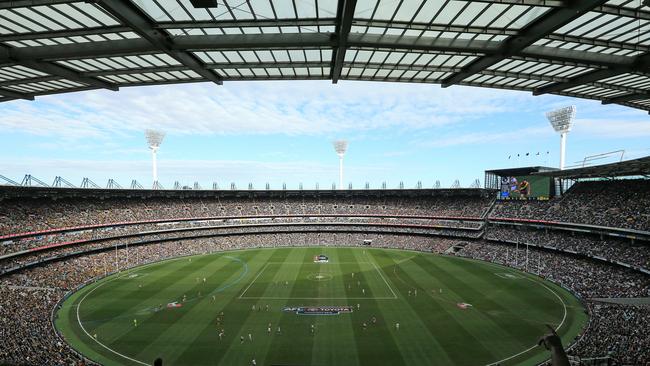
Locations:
{"points": [[345, 14]]}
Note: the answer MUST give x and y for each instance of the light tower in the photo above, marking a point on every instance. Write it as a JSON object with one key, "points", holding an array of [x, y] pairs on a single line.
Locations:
{"points": [[154, 139], [561, 120], [340, 146]]}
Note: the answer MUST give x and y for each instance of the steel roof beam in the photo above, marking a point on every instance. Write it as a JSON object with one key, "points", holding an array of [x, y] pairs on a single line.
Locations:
{"points": [[626, 12], [246, 23], [135, 71], [626, 98], [598, 42], [640, 63], [573, 57], [130, 15], [137, 46], [436, 27], [76, 50], [9, 4], [538, 29], [64, 33], [53, 69], [65, 73], [255, 41], [586, 78], [15, 95], [315, 22], [39, 79], [274, 65], [345, 15]]}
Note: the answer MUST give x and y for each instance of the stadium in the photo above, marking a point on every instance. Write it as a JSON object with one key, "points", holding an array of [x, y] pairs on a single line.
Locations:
{"points": [[538, 265]]}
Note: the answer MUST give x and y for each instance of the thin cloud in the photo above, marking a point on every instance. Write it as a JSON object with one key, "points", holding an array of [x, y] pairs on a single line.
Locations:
{"points": [[612, 128], [459, 139], [295, 108]]}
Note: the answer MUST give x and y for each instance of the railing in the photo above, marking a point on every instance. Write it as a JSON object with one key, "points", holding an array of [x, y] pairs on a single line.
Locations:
{"points": [[571, 252], [569, 226], [209, 218]]}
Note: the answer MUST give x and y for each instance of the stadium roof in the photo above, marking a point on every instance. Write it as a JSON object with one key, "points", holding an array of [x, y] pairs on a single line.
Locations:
{"points": [[626, 168], [591, 49], [510, 172]]}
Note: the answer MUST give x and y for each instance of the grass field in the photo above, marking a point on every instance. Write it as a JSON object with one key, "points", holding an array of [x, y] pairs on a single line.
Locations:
{"points": [[506, 317]]}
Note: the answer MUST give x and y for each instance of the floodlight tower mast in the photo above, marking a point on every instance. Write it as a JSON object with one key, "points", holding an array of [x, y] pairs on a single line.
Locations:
{"points": [[154, 139], [340, 146], [562, 121]]}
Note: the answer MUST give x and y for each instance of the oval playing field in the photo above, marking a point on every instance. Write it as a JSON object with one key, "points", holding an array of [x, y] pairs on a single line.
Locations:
{"points": [[385, 307]]}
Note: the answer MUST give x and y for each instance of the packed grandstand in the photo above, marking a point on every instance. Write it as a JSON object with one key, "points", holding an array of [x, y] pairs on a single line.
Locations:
{"points": [[56, 240]]}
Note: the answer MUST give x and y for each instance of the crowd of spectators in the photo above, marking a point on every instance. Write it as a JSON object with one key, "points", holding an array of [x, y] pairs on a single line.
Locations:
{"points": [[619, 203], [586, 277], [27, 215], [622, 332], [14, 262], [35, 241], [636, 254], [26, 334]]}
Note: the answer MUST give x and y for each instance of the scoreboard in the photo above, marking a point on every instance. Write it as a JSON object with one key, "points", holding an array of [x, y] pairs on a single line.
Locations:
{"points": [[525, 187]]}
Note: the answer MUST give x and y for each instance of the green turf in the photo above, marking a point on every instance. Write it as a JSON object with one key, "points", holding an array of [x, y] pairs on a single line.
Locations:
{"points": [[506, 318]]}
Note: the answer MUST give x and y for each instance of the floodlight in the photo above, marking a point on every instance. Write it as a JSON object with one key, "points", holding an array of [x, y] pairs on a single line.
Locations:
{"points": [[562, 121], [154, 139], [340, 146]]}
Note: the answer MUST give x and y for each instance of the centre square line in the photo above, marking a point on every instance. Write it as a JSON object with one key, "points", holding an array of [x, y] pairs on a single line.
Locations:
{"points": [[243, 297]]}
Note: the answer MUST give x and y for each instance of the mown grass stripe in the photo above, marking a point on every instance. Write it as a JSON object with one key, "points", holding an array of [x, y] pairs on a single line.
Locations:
{"points": [[299, 351], [417, 343], [432, 329], [335, 343], [530, 318], [210, 350], [183, 323], [140, 305], [483, 320], [125, 294], [256, 322], [375, 344]]}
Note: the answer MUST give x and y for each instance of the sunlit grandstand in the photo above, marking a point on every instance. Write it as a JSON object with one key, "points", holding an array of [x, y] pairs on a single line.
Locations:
{"points": [[532, 264]]}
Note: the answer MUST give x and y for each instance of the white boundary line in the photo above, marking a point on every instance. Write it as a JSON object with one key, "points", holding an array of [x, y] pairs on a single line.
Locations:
{"points": [[317, 298], [365, 262], [132, 270], [538, 281], [93, 338], [242, 297], [253, 281], [536, 345], [383, 278]]}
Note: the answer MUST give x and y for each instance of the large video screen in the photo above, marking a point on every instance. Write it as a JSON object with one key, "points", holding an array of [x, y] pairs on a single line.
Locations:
{"points": [[526, 186]]}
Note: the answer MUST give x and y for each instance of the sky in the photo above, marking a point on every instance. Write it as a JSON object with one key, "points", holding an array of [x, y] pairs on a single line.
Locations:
{"points": [[282, 131]]}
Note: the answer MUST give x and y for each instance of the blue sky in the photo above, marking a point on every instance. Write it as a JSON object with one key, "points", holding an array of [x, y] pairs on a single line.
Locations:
{"points": [[282, 132]]}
